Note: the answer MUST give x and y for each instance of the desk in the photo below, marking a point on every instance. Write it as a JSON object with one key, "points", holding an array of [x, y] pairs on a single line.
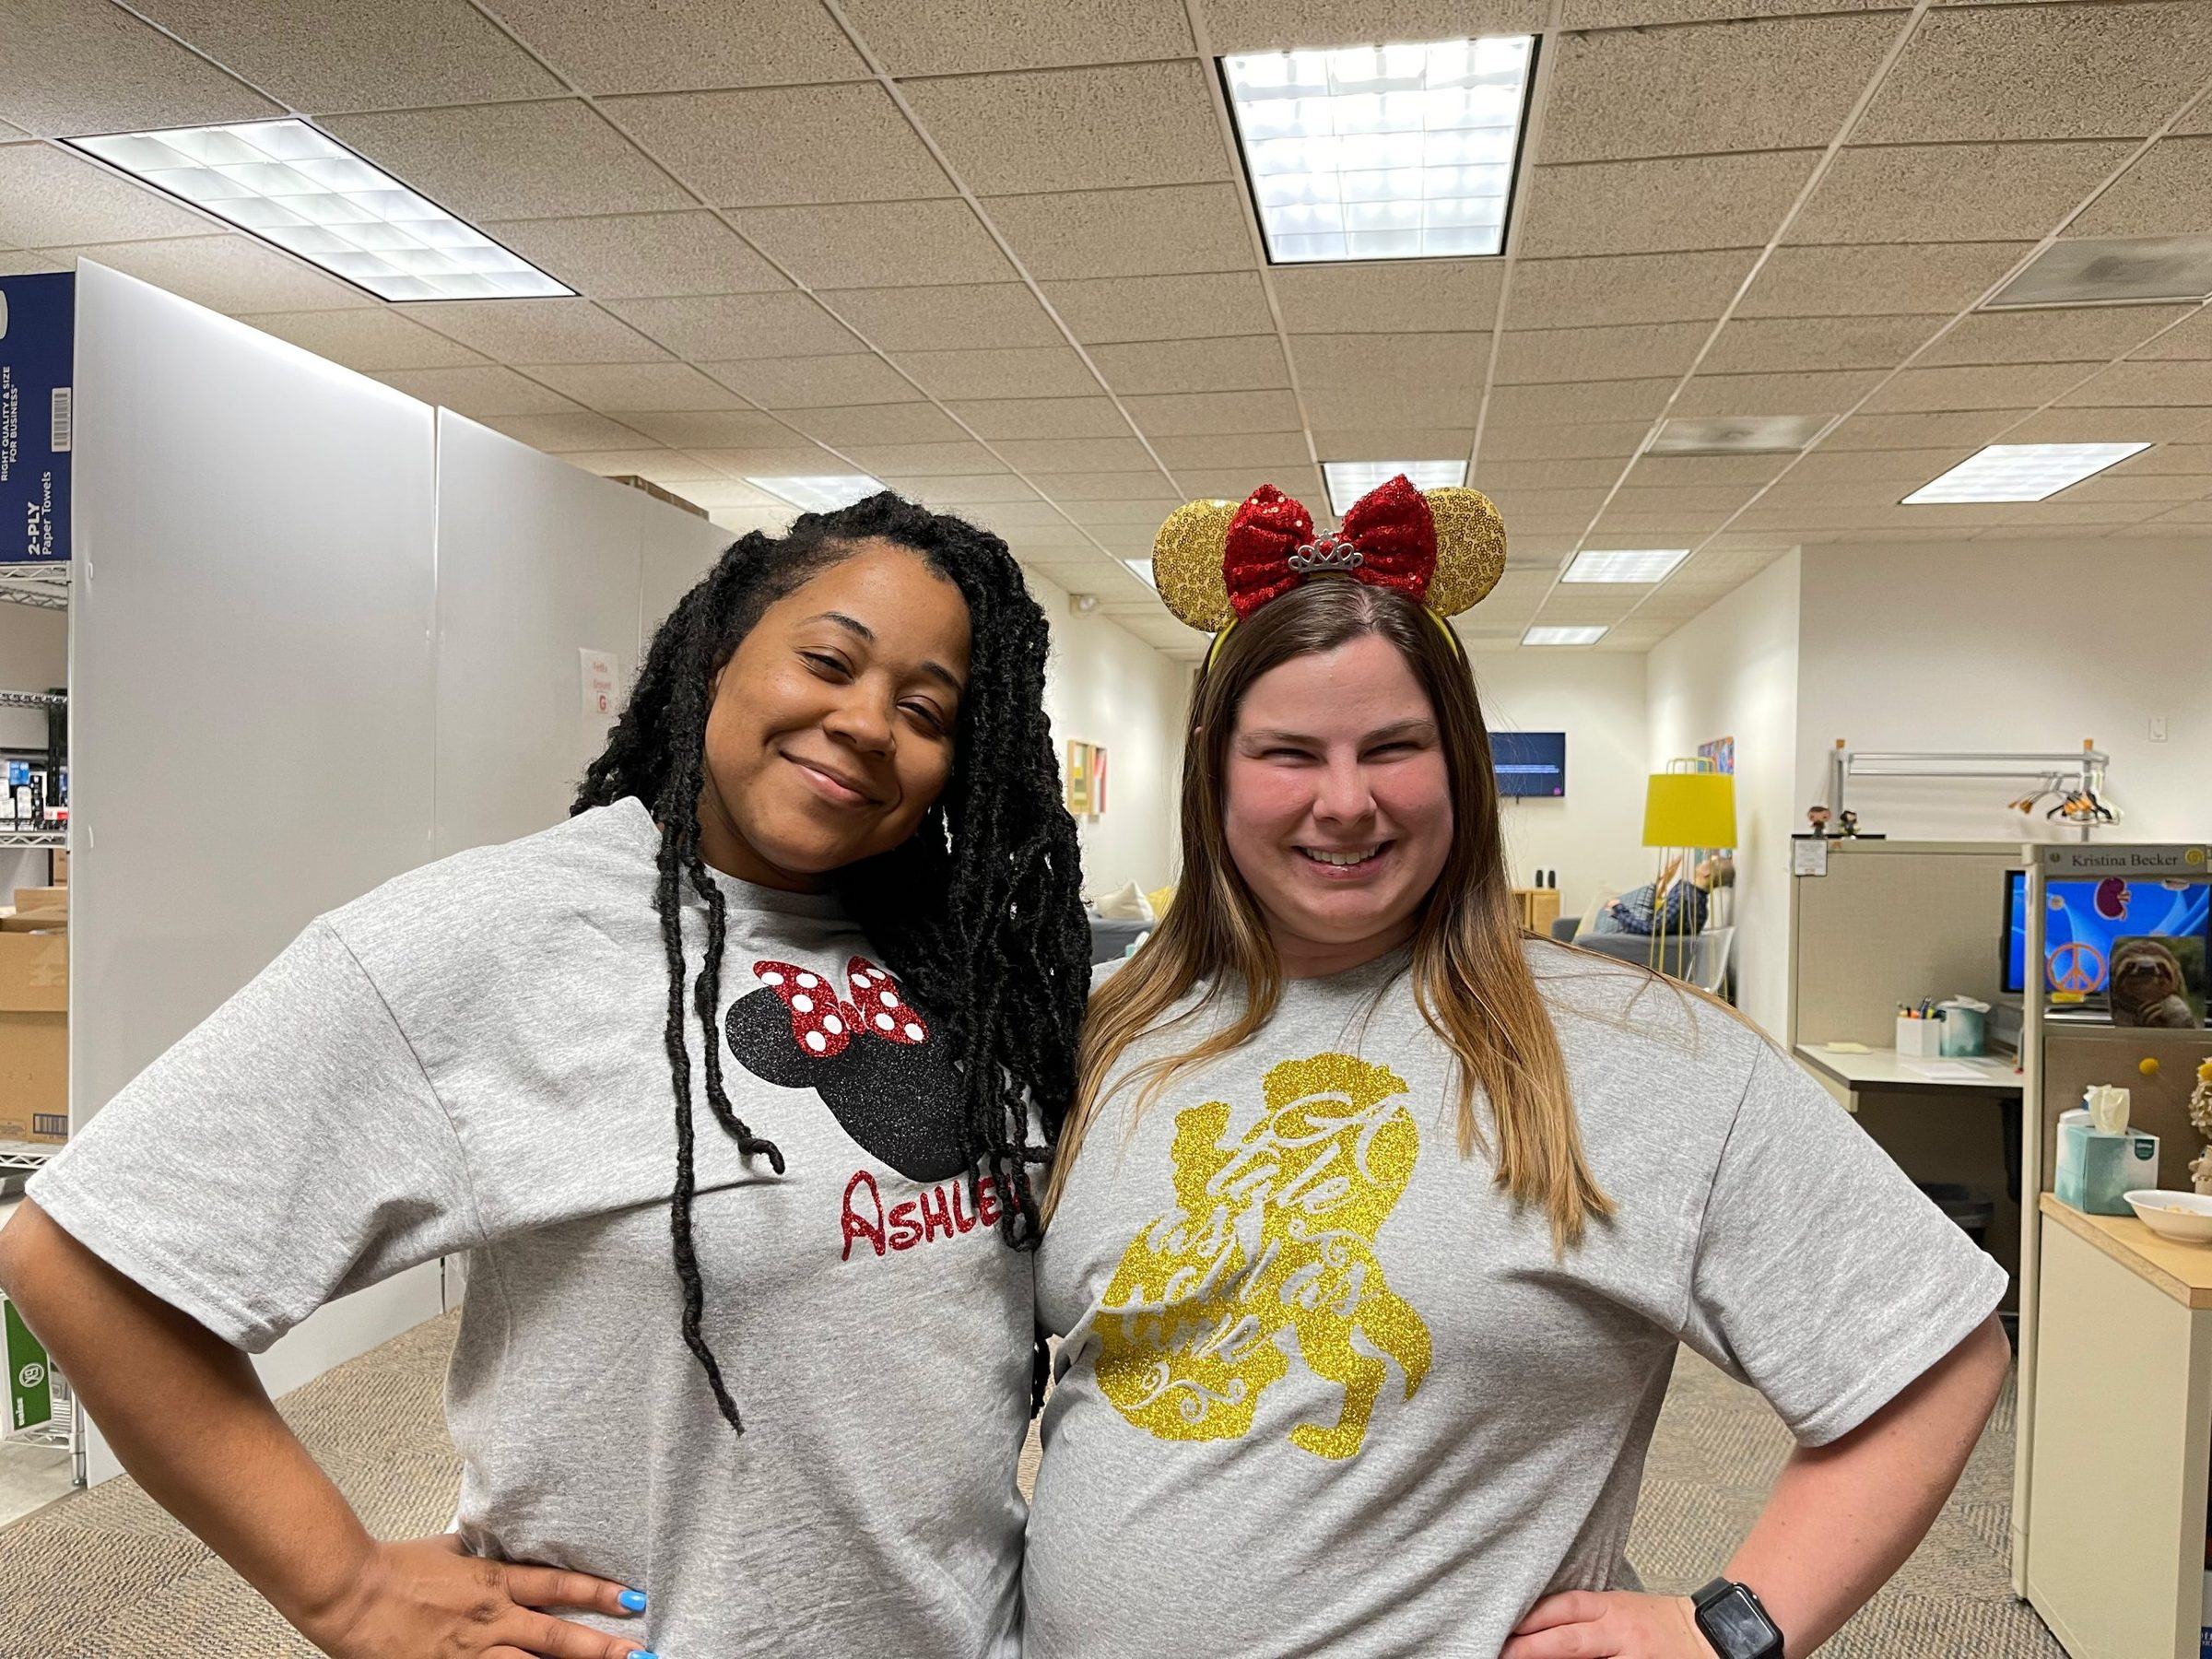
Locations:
{"points": [[2121, 1436], [1886, 1068]]}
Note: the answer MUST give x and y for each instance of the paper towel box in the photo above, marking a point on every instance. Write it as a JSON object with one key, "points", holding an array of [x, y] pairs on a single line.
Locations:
{"points": [[2095, 1169]]}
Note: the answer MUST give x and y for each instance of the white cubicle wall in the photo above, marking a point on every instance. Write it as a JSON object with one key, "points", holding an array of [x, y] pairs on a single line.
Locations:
{"points": [[320, 634]]}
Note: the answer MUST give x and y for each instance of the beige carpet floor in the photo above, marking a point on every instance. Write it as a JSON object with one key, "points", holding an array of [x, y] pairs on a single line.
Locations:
{"points": [[105, 1575]]}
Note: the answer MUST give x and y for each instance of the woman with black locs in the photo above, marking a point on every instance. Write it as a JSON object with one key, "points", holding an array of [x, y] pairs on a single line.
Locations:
{"points": [[834, 767]]}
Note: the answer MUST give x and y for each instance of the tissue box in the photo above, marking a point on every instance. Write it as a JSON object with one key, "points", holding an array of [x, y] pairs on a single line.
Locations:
{"points": [[2094, 1169]]}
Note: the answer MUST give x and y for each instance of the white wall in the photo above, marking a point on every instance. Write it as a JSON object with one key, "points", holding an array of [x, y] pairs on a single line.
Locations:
{"points": [[1105, 686], [2022, 645], [1732, 672], [1594, 834]]}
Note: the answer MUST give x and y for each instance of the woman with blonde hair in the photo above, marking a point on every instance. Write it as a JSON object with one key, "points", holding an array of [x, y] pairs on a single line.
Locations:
{"points": [[1376, 1224]]}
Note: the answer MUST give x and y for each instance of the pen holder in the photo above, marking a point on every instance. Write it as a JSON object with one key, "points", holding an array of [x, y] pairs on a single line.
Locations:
{"points": [[1919, 1039]]}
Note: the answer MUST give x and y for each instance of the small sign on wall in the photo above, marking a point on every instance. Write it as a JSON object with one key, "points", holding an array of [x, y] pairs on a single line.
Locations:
{"points": [[1086, 779], [602, 685]]}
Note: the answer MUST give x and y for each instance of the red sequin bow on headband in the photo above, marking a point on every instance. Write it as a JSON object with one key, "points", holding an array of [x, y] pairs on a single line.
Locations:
{"points": [[1217, 562]]}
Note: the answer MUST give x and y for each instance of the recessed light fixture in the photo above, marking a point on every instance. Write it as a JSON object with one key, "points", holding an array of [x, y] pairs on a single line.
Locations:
{"points": [[291, 184], [1736, 435], [2021, 472], [1382, 152], [1348, 480], [1562, 636], [820, 492], [2107, 269], [1624, 564]]}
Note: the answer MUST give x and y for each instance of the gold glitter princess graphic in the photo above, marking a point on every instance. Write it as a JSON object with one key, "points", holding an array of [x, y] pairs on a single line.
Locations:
{"points": [[1274, 1234]]}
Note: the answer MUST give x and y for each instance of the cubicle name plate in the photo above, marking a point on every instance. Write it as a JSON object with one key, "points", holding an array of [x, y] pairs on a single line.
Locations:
{"points": [[2178, 861], [37, 329]]}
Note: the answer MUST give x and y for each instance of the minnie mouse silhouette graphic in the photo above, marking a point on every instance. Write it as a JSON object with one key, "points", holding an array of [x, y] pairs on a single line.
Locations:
{"points": [[869, 1055]]}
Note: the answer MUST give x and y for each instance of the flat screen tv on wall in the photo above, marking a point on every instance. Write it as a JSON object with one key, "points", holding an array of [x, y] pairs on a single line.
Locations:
{"points": [[1530, 763]]}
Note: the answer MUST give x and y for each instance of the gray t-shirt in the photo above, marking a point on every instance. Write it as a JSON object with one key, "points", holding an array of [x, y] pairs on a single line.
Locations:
{"points": [[1324, 1390], [470, 1060]]}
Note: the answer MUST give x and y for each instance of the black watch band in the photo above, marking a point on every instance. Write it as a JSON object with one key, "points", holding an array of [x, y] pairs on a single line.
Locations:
{"points": [[1733, 1622]]}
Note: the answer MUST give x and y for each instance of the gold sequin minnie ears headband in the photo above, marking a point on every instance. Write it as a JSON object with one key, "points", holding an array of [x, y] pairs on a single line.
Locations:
{"points": [[1217, 562]]}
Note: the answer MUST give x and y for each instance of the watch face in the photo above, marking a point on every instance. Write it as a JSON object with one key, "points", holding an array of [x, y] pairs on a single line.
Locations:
{"points": [[1736, 1625]]}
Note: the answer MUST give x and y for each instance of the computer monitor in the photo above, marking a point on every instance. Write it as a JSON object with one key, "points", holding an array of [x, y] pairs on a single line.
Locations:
{"points": [[2082, 918], [1530, 763]]}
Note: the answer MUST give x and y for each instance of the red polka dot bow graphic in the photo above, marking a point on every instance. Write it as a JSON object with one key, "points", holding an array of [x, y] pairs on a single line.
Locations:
{"points": [[823, 1023]]}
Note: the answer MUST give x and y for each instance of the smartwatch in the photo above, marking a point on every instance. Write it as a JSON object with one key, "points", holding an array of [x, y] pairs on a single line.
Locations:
{"points": [[1731, 1620]]}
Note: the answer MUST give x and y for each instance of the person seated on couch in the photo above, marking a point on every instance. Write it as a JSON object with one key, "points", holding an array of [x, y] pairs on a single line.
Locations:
{"points": [[1668, 905]]}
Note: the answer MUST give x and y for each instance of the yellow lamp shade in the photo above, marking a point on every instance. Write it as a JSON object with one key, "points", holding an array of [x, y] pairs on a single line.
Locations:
{"points": [[1689, 809]]}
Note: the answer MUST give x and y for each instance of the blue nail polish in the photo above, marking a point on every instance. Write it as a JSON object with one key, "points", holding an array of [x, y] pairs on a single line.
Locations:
{"points": [[642, 1654], [633, 1600]]}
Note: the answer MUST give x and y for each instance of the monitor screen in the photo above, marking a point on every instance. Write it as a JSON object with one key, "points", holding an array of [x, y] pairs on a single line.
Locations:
{"points": [[2084, 918], [1530, 763]]}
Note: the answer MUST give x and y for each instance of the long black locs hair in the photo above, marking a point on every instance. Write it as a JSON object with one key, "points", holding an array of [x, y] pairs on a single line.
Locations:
{"points": [[979, 915]]}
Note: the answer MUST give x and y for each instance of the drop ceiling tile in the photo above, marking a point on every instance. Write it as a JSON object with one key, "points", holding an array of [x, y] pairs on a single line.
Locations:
{"points": [[1210, 449], [1045, 417], [1411, 362], [2086, 333], [368, 338], [1007, 516], [663, 466], [2116, 486], [606, 46], [710, 429], [1883, 468], [516, 161], [50, 198], [626, 256], [2146, 385], [1772, 84], [573, 434], [2064, 509], [876, 244], [1893, 280], [1530, 441], [1117, 309], [1180, 413], [2186, 512], [1953, 191], [1585, 401], [613, 388], [478, 394], [324, 55], [1820, 392], [1595, 473], [1109, 127], [723, 327], [1694, 471], [2193, 339], [1381, 406], [1433, 296], [715, 493], [924, 460], [772, 147], [952, 491], [878, 423], [1149, 486], [1129, 524], [2162, 459], [2167, 192], [803, 382], [2001, 386], [28, 264], [230, 273], [1627, 351], [1060, 540], [1074, 454], [1975, 428], [1622, 289], [793, 459], [1680, 204], [2119, 425], [1271, 24], [1785, 344], [1250, 362], [1024, 34], [744, 521], [1234, 483], [538, 331], [1391, 443], [2019, 72], [1690, 500], [1009, 372], [88, 66], [927, 319], [1151, 233]]}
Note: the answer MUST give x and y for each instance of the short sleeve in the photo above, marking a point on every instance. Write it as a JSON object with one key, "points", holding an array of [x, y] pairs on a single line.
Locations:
{"points": [[286, 1152], [1822, 1276]]}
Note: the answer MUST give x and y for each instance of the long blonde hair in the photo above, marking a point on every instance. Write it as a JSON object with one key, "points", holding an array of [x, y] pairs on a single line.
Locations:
{"points": [[1470, 978]]}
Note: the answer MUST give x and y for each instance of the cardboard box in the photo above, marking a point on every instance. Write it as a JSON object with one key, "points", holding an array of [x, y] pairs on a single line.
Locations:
{"points": [[60, 866], [42, 899], [34, 1037], [36, 922]]}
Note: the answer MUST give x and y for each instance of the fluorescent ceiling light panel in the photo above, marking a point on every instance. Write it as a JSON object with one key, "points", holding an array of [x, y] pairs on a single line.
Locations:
{"points": [[2105, 270], [2021, 472], [1736, 434], [290, 185], [1348, 480], [1562, 636], [1624, 564], [1382, 152], [820, 492]]}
